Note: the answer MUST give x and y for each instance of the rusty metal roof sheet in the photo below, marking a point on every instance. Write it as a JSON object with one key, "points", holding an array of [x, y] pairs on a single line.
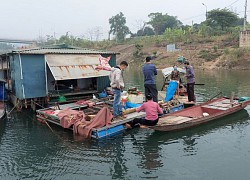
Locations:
{"points": [[75, 66], [61, 51]]}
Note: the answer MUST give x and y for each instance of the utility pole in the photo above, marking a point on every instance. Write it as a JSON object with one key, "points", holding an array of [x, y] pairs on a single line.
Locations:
{"points": [[206, 9], [245, 17]]}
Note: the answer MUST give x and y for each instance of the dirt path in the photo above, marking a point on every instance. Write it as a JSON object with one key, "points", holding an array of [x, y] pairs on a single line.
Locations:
{"points": [[213, 64]]}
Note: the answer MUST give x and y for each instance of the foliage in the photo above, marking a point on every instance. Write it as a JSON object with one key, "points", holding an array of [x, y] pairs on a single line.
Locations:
{"points": [[226, 51], [146, 31], [138, 51], [205, 30], [118, 27], [222, 18], [154, 53], [207, 55], [160, 22], [175, 35]]}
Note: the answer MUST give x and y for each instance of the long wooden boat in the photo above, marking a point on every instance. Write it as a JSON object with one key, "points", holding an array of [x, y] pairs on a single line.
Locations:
{"points": [[200, 114]]}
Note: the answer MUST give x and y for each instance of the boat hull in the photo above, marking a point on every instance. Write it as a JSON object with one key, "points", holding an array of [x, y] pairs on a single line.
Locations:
{"points": [[196, 117]]}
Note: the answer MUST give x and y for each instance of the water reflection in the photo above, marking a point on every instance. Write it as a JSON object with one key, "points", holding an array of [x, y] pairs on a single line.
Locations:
{"points": [[189, 137], [149, 150], [225, 81], [2, 128]]}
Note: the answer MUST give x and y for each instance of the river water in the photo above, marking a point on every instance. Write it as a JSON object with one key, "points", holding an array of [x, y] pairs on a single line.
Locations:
{"points": [[217, 150]]}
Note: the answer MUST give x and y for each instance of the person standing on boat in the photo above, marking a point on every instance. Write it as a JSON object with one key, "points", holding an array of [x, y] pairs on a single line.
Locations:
{"points": [[175, 76], [117, 84], [152, 109], [149, 72], [190, 81]]}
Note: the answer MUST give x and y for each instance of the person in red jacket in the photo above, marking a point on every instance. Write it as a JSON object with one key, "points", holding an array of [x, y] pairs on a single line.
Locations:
{"points": [[152, 109]]}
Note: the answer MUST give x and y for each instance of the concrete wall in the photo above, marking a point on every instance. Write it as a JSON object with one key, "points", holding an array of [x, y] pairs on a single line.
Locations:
{"points": [[244, 39]]}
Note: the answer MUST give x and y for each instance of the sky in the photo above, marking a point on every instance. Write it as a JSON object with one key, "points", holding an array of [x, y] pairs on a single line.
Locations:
{"points": [[29, 19]]}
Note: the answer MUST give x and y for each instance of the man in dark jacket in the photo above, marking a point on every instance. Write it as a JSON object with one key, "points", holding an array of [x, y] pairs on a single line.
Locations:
{"points": [[149, 72], [190, 81]]}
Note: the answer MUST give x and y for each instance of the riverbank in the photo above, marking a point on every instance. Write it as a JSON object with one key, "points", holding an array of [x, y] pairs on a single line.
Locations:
{"points": [[217, 53]]}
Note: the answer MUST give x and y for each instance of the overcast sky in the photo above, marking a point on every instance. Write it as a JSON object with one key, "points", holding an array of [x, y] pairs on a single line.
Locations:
{"points": [[27, 19]]}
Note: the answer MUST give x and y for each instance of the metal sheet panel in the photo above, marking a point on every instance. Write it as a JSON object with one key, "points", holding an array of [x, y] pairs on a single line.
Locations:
{"points": [[34, 78], [61, 51], [66, 66]]}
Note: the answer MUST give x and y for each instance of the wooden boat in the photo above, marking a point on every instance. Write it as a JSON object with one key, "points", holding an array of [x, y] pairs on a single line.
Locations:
{"points": [[200, 114], [117, 126]]}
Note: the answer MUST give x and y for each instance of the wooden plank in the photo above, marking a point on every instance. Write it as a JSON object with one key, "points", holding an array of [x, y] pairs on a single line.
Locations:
{"points": [[173, 120], [215, 107], [130, 117]]}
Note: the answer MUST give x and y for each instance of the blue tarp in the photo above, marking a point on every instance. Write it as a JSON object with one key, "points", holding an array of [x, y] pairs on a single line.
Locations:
{"points": [[131, 105], [170, 90], [3, 94]]}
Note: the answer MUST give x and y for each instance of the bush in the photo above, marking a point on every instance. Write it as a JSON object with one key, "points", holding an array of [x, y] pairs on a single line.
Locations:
{"points": [[138, 51], [207, 55]]}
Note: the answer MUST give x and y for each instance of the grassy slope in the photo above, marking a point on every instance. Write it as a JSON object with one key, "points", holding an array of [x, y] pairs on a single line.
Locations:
{"points": [[208, 53]]}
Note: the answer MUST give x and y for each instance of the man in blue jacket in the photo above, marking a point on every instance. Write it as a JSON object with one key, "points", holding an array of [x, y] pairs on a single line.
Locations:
{"points": [[149, 72]]}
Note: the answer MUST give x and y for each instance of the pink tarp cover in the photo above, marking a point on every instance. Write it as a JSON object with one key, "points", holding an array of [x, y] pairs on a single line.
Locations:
{"points": [[68, 117], [84, 128]]}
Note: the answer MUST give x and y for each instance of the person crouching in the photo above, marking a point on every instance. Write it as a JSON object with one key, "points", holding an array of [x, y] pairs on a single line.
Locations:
{"points": [[152, 109]]}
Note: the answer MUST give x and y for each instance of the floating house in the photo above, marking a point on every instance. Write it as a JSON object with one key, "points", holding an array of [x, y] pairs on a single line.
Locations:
{"points": [[38, 75]]}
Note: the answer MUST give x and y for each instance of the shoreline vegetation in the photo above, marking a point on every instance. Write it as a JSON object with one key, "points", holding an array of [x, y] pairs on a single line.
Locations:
{"points": [[218, 52], [211, 44]]}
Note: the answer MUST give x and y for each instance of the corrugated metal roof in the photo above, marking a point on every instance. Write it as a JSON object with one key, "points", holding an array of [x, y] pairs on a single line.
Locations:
{"points": [[61, 51], [75, 67]]}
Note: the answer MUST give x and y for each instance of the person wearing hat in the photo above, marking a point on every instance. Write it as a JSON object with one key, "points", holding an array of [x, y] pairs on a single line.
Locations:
{"points": [[152, 109], [190, 81], [149, 72]]}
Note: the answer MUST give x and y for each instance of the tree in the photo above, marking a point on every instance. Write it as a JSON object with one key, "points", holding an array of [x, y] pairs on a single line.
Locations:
{"points": [[160, 22], [222, 18], [118, 27], [146, 31]]}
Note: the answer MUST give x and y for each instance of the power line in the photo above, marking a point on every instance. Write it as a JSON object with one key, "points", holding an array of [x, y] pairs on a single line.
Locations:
{"points": [[232, 3], [193, 17], [203, 14]]}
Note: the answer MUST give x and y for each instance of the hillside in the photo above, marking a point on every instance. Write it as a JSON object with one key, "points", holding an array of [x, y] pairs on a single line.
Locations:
{"points": [[216, 53]]}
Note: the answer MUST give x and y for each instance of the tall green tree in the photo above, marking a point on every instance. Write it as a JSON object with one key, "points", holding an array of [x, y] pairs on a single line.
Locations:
{"points": [[160, 22], [222, 18], [118, 27]]}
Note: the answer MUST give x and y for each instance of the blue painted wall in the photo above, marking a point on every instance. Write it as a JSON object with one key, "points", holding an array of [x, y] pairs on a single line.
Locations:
{"points": [[16, 76], [33, 83], [34, 76]]}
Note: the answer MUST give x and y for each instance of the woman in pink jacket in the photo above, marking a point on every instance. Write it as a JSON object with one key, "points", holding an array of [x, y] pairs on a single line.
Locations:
{"points": [[152, 109]]}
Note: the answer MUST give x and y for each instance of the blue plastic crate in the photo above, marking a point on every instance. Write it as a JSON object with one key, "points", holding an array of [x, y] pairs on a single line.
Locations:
{"points": [[176, 108], [107, 132]]}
